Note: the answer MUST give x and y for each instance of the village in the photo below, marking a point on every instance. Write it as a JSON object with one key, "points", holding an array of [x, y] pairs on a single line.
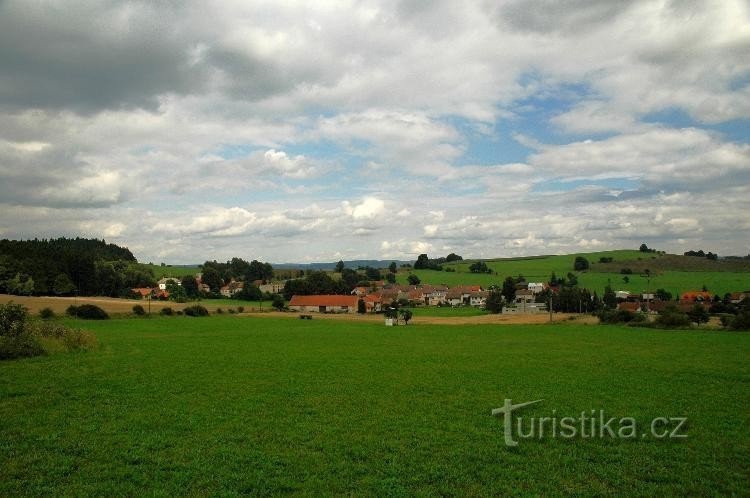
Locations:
{"points": [[379, 295]]}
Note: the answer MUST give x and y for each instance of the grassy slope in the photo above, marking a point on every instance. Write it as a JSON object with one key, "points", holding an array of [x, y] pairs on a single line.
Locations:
{"points": [[674, 273], [228, 405], [172, 271]]}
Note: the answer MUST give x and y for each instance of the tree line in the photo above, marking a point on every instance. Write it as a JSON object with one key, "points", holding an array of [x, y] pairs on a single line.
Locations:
{"points": [[64, 266]]}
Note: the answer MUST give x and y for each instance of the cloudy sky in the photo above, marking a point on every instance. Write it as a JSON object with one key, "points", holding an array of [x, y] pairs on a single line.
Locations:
{"points": [[313, 131]]}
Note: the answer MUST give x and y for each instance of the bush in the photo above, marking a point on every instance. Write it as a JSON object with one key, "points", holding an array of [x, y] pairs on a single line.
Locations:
{"points": [[626, 271], [671, 317], [70, 339], [612, 317], [240, 309], [219, 311], [179, 313], [166, 311], [138, 310], [580, 263], [698, 314], [46, 313], [196, 310], [12, 319], [87, 312], [741, 321], [20, 338], [23, 345]]}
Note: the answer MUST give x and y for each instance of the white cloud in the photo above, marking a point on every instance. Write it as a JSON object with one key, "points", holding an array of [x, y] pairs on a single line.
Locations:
{"points": [[369, 208]]}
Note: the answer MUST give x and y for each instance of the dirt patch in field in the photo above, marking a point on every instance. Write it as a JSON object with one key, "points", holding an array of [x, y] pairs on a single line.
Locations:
{"points": [[108, 304]]}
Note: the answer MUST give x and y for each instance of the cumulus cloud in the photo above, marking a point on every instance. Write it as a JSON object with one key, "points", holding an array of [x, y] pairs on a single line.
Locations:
{"points": [[292, 131]]}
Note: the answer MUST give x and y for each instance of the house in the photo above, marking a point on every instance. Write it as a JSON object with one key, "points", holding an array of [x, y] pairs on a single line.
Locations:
{"points": [[360, 291], [525, 308], [624, 295], [454, 297], [434, 295], [738, 297], [373, 303], [326, 303], [143, 292], [231, 288], [272, 287], [478, 299], [629, 306], [535, 287], [696, 296], [524, 296], [164, 281]]}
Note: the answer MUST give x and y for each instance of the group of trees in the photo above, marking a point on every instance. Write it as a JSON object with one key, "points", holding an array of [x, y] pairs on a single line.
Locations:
{"points": [[700, 254], [479, 267], [65, 266], [214, 274], [425, 263]]}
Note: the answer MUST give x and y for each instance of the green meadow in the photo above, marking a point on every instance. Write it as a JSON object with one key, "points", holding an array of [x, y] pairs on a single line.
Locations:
{"points": [[693, 273], [231, 406]]}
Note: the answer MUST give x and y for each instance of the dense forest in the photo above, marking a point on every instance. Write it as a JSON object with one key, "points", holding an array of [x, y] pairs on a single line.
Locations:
{"points": [[65, 266]]}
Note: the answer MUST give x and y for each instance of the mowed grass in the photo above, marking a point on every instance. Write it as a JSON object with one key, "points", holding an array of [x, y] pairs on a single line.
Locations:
{"points": [[259, 406]]}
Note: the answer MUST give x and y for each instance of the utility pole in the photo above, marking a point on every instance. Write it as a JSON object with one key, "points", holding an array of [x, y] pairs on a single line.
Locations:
{"points": [[550, 304]]}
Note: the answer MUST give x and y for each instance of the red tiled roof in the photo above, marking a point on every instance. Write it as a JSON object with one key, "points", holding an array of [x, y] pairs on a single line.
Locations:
{"points": [[143, 291], [629, 306], [324, 300]]}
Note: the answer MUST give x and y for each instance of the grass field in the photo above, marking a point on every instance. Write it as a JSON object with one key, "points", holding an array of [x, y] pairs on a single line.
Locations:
{"points": [[676, 274], [259, 406], [172, 271]]}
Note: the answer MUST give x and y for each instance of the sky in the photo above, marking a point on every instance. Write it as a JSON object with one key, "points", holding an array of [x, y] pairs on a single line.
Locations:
{"points": [[318, 131]]}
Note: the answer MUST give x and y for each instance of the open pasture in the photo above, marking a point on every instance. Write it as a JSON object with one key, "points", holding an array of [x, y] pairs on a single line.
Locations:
{"points": [[230, 405]]}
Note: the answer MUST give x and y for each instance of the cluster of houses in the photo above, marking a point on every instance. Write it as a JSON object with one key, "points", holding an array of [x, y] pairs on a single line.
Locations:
{"points": [[651, 302], [378, 295], [228, 290]]}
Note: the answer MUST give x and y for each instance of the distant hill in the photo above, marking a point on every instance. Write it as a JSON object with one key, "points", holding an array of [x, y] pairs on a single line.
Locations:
{"points": [[353, 264], [668, 271]]}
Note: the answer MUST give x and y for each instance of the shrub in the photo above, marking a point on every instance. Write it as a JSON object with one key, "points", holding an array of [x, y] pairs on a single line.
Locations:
{"points": [[87, 312], [698, 314], [196, 310], [138, 310], [219, 311], [231, 311], [240, 309], [179, 313], [671, 317], [22, 345], [12, 319], [46, 313], [69, 339], [620, 316], [741, 321], [166, 311], [20, 338], [626, 271]]}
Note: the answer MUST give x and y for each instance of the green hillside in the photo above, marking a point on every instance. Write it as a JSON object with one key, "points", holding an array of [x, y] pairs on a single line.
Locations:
{"points": [[172, 271], [671, 272]]}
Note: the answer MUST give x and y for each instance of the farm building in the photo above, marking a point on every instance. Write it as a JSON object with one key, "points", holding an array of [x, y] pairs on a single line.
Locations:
{"points": [[324, 304]]}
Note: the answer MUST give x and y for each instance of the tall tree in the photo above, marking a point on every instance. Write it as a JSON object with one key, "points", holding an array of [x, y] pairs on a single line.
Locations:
{"points": [[509, 289]]}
